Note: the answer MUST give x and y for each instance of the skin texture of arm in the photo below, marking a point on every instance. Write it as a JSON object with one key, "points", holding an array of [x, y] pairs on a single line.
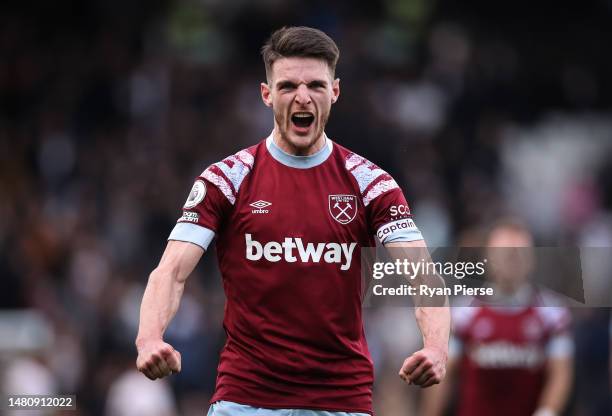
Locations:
{"points": [[559, 374], [162, 296], [427, 366]]}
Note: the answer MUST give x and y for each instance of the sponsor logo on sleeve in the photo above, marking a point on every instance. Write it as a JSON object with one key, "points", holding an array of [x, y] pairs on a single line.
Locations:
{"points": [[197, 194], [343, 208], [401, 209], [189, 217]]}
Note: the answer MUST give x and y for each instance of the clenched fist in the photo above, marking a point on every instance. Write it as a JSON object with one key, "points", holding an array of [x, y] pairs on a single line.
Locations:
{"points": [[157, 359], [425, 367]]}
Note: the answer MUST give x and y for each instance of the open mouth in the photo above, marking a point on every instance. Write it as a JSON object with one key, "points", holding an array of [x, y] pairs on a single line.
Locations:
{"points": [[302, 119]]}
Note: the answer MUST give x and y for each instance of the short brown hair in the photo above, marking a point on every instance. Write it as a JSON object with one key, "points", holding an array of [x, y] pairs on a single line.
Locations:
{"points": [[300, 41]]}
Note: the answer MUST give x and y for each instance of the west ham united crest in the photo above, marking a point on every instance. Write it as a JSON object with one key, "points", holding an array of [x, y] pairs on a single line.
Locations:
{"points": [[343, 208]]}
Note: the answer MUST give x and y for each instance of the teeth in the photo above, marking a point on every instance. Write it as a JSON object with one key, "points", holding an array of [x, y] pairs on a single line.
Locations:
{"points": [[302, 115]]}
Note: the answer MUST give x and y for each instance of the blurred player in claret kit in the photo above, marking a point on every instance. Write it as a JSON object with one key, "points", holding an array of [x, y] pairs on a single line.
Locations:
{"points": [[514, 358], [290, 215]]}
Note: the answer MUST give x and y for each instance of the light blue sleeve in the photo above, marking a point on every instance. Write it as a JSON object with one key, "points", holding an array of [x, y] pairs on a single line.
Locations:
{"points": [[192, 233]]}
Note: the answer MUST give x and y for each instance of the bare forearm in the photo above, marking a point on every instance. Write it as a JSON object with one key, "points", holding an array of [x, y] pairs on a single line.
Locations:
{"points": [[159, 303], [156, 358], [165, 288], [434, 323], [427, 366], [432, 313], [558, 384]]}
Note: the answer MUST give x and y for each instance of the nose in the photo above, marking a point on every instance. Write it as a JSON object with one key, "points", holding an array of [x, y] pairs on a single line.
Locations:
{"points": [[302, 95]]}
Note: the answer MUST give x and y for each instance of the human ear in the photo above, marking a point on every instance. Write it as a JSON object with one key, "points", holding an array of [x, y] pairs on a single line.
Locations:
{"points": [[266, 94], [335, 90]]}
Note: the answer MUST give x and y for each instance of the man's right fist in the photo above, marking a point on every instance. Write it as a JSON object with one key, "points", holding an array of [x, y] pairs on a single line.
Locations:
{"points": [[157, 359]]}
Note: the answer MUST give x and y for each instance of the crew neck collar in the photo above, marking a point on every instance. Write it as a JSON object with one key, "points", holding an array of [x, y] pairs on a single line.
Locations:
{"points": [[299, 162]]}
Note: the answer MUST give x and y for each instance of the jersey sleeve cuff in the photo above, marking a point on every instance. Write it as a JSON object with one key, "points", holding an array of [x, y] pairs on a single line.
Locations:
{"points": [[192, 233], [560, 346], [404, 236]]}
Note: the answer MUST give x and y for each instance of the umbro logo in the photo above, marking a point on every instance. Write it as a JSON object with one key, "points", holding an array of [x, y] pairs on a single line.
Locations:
{"points": [[260, 207], [260, 204]]}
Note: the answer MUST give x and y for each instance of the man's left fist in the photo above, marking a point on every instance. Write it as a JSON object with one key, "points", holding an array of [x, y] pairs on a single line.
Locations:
{"points": [[425, 367]]}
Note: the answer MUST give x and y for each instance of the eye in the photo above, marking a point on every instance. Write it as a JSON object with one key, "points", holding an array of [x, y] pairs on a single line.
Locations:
{"points": [[316, 85], [286, 86]]}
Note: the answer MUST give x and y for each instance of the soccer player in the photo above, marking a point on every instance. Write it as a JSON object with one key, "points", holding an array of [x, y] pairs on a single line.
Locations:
{"points": [[513, 359], [290, 215]]}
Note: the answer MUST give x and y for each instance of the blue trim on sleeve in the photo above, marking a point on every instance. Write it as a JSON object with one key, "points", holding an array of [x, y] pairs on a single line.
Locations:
{"points": [[560, 346], [403, 236], [192, 233]]}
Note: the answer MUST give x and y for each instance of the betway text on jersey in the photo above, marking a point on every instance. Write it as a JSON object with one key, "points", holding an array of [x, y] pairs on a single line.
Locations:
{"points": [[273, 251]]}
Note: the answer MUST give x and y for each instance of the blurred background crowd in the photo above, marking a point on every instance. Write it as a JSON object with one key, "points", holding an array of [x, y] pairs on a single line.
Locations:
{"points": [[109, 109]]}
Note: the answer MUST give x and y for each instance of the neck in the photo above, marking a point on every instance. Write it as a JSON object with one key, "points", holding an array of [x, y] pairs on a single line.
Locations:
{"points": [[287, 147]]}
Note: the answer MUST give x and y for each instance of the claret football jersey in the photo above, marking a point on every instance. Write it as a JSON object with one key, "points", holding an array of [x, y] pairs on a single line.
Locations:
{"points": [[289, 230], [503, 353]]}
